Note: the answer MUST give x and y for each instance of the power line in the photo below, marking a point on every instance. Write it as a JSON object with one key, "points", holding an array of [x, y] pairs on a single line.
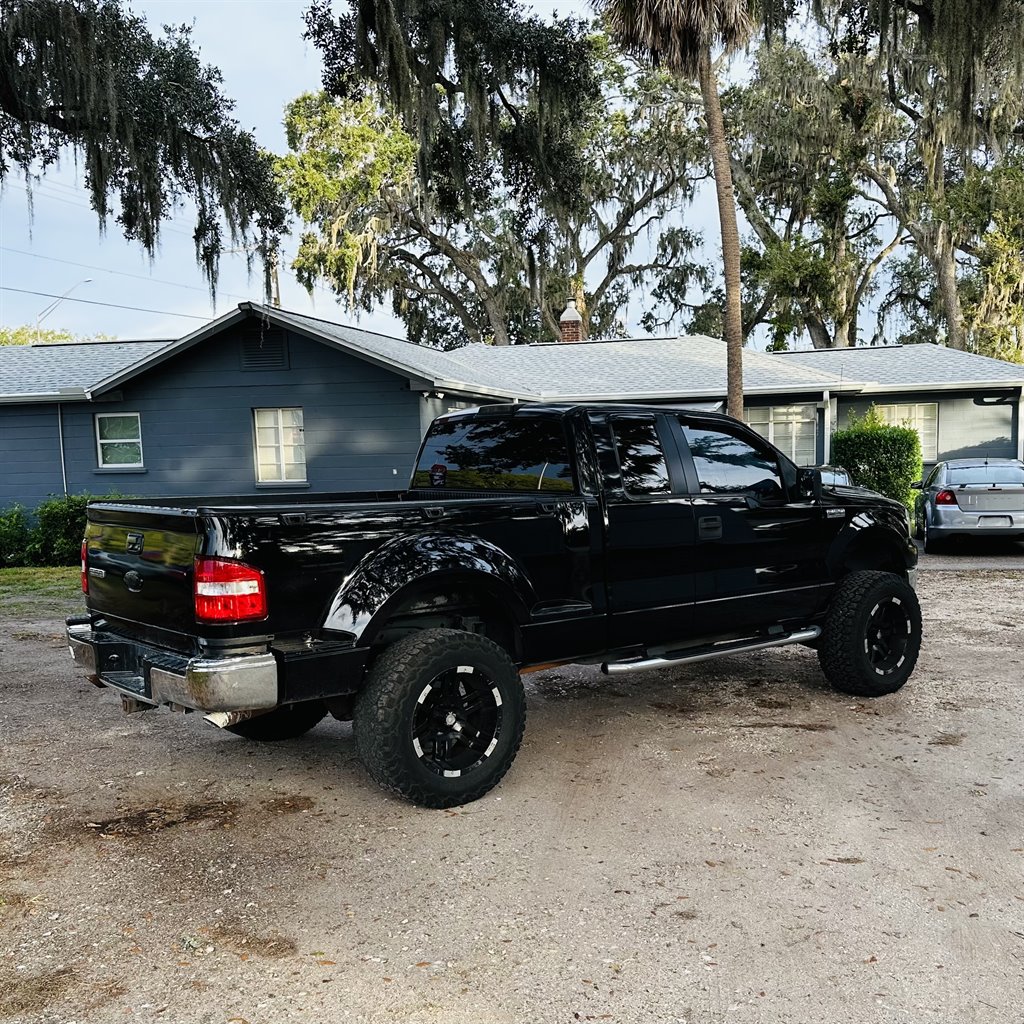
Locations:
{"points": [[121, 273], [93, 302]]}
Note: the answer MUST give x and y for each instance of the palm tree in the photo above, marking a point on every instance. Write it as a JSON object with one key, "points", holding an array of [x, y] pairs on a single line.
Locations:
{"points": [[679, 35]]}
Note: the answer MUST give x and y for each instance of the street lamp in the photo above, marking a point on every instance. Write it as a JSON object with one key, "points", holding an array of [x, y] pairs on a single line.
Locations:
{"points": [[44, 313]]}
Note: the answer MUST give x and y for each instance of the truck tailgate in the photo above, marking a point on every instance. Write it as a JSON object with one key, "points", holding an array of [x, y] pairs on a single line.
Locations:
{"points": [[140, 565]]}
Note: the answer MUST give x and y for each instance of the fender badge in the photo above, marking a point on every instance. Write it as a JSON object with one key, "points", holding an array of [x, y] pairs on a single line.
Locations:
{"points": [[835, 513]]}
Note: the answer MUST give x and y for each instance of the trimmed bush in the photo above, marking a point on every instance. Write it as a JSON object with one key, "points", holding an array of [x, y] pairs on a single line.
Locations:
{"points": [[15, 536], [886, 459], [59, 528]]}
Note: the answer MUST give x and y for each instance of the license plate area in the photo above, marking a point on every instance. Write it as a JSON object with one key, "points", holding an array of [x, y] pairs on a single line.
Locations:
{"points": [[994, 522]]}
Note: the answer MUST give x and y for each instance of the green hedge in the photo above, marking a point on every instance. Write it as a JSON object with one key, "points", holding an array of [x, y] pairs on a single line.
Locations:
{"points": [[886, 459], [51, 536]]}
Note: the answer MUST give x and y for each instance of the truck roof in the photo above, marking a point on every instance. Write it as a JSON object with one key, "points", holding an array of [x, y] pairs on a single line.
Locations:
{"points": [[560, 409]]}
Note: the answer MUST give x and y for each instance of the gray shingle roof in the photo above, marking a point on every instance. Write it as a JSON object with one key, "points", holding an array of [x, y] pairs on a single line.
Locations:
{"points": [[37, 371], [634, 369], [906, 366]]}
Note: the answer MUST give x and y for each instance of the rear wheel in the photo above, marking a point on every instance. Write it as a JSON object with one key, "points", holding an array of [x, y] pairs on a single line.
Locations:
{"points": [[441, 717], [872, 635], [284, 723]]}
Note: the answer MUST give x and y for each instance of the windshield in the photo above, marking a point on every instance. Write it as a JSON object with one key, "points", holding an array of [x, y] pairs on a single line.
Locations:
{"points": [[527, 453], [986, 475]]}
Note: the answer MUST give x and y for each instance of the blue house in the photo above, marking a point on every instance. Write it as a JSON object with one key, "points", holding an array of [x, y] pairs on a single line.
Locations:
{"points": [[264, 399]]}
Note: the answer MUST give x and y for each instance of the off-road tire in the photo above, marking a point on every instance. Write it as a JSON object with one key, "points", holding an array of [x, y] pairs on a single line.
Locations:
{"points": [[391, 705], [284, 723], [854, 654]]}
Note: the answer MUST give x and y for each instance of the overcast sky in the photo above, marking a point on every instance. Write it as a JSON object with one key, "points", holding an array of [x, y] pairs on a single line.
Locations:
{"points": [[258, 46]]}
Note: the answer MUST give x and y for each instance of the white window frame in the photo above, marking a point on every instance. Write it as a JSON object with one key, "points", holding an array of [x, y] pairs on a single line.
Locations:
{"points": [[798, 413], [915, 415], [100, 442], [278, 445]]}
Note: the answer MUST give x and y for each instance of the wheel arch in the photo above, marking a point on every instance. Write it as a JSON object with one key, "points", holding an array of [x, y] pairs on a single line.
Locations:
{"points": [[872, 547], [428, 577]]}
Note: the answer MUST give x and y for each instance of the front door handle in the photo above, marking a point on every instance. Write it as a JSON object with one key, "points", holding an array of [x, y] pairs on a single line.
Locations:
{"points": [[709, 528]]}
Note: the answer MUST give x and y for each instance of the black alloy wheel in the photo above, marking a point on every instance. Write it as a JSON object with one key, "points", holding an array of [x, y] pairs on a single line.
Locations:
{"points": [[872, 634], [457, 721], [441, 717]]}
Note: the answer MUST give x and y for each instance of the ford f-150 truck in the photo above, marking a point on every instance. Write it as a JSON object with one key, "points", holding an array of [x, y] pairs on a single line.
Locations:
{"points": [[530, 535]]}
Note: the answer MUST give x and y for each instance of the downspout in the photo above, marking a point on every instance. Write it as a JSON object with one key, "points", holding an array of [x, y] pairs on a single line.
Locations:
{"points": [[60, 435], [1020, 426], [827, 427]]}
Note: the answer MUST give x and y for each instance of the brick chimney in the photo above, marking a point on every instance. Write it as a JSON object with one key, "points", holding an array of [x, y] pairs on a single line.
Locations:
{"points": [[571, 324]]}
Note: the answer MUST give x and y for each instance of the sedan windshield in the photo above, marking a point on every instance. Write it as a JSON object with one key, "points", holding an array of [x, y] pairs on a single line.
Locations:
{"points": [[986, 475]]}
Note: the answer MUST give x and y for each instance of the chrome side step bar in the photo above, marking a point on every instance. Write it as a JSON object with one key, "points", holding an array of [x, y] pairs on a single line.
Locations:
{"points": [[800, 636]]}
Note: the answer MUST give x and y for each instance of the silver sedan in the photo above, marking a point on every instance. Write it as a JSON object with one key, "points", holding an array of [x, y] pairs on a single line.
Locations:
{"points": [[968, 497]]}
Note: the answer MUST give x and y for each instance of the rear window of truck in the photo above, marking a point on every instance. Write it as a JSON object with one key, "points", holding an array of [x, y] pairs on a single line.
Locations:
{"points": [[523, 454]]}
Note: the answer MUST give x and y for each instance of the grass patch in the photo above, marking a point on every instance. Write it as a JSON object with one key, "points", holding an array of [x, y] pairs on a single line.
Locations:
{"points": [[47, 592]]}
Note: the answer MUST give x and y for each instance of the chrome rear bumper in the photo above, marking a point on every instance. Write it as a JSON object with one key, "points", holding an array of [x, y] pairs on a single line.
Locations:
{"points": [[245, 682]]}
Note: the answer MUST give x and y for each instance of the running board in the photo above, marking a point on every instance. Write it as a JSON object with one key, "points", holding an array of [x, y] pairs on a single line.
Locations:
{"points": [[800, 636]]}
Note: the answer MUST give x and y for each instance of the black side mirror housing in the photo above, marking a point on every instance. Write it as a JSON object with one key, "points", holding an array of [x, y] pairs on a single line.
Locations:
{"points": [[810, 483], [917, 485]]}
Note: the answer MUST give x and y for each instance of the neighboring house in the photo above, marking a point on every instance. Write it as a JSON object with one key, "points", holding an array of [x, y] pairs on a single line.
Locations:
{"points": [[264, 399]]}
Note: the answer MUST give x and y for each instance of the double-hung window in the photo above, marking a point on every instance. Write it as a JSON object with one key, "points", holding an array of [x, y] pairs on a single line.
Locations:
{"points": [[280, 446], [119, 440], [922, 417], [793, 429]]}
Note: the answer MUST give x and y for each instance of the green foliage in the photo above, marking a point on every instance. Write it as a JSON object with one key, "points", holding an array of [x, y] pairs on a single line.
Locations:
{"points": [[59, 527], [497, 269], [885, 458], [14, 536], [51, 536], [149, 121], [27, 334]]}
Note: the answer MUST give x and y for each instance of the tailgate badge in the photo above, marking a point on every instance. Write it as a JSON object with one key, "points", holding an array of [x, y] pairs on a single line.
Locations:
{"points": [[133, 581], [133, 543]]}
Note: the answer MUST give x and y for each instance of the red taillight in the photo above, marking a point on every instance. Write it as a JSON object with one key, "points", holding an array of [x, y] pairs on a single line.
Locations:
{"points": [[85, 573], [945, 498], [228, 591]]}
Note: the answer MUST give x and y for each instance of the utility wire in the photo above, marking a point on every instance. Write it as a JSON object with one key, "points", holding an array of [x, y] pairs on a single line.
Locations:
{"points": [[121, 273], [112, 305]]}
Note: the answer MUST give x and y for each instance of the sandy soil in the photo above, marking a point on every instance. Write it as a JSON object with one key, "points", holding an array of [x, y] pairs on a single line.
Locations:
{"points": [[726, 843]]}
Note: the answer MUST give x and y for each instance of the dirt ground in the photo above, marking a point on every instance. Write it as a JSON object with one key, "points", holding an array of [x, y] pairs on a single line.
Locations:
{"points": [[729, 842]]}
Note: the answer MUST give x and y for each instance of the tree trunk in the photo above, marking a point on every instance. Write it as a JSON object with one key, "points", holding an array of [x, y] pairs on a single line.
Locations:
{"points": [[944, 261], [733, 318]]}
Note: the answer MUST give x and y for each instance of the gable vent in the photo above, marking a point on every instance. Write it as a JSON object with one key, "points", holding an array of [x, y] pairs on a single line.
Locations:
{"points": [[265, 350]]}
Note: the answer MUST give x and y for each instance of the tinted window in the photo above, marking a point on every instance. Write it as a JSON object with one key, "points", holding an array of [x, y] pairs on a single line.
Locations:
{"points": [[528, 453], [985, 475], [728, 465], [640, 456], [932, 476]]}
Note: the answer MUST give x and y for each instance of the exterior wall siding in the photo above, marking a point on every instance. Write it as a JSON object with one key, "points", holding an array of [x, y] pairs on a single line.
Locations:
{"points": [[29, 454], [361, 424], [971, 425]]}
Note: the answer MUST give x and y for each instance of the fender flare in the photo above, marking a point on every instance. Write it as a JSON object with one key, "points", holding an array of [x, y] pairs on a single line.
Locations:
{"points": [[406, 566], [865, 534]]}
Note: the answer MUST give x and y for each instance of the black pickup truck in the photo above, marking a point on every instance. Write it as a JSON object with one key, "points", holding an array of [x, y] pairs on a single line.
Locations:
{"points": [[530, 535]]}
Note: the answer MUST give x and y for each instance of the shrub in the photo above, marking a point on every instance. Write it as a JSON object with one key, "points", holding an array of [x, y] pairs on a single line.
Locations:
{"points": [[15, 536], [58, 531], [886, 459]]}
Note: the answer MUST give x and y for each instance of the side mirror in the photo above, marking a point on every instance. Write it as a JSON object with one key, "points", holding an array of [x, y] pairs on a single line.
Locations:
{"points": [[917, 485], [810, 484]]}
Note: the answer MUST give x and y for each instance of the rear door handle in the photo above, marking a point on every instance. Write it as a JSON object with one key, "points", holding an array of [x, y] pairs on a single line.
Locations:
{"points": [[548, 507], [709, 528], [433, 512]]}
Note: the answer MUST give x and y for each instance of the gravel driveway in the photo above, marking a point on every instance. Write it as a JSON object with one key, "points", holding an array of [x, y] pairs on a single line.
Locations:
{"points": [[728, 842]]}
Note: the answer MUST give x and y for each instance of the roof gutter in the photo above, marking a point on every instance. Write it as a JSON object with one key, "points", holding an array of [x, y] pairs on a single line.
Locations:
{"points": [[64, 395]]}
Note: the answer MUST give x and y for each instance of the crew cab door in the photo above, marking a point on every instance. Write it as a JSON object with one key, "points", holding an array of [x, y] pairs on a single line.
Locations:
{"points": [[760, 545], [649, 530]]}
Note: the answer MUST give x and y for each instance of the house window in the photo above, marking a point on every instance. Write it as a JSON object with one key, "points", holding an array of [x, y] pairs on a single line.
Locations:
{"points": [[793, 429], [280, 447], [923, 417], [119, 440]]}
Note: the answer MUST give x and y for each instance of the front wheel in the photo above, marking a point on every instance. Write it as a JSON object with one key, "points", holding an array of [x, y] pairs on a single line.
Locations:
{"points": [[441, 717], [872, 634]]}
